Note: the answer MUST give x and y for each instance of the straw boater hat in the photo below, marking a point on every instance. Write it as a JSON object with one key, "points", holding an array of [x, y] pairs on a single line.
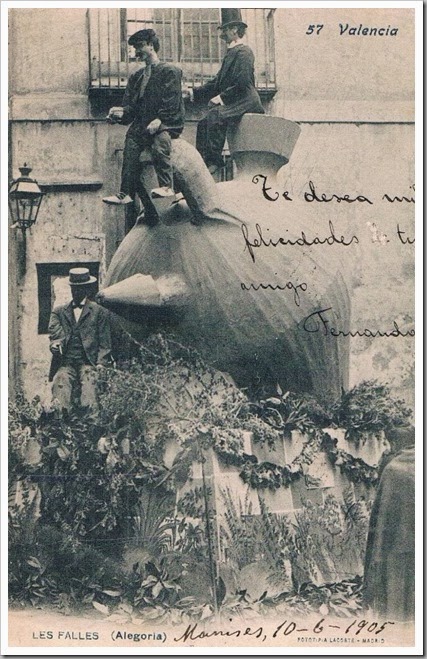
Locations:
{"points": [[231, 18], [80, 277]]}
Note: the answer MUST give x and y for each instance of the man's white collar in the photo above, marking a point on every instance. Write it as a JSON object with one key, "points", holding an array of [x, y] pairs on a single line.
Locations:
{"points": [[238, 42]]}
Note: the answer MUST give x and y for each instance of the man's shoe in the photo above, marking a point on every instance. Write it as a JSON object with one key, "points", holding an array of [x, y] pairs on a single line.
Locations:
{"points": [[156, 193], [178, 197], [118, 199]]}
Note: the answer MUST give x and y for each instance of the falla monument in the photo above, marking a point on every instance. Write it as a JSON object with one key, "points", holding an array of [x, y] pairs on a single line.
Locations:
{"points": [[188, 269]]}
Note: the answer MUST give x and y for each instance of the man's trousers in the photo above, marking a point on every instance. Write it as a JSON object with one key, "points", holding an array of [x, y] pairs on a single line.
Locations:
{"points": [[65, 380], [210, 138], [160, 146]]}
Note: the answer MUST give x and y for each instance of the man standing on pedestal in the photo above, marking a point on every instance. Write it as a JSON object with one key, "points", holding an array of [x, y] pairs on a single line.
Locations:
{"points": [[229, 95], [80, 340]]}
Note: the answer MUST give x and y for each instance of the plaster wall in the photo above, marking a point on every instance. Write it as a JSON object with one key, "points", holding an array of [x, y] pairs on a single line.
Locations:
{"points": [[341, 77], [49, 53]]}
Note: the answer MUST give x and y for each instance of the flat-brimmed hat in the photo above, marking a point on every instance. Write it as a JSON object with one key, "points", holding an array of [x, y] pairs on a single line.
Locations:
{"points": [[80, 277], [142, 35], [230, 18]]}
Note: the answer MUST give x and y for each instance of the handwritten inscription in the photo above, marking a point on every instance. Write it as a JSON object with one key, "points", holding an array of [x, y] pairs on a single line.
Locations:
{"points": [[403, 240], [395, 198], [304, 240], [318, 322], [321, 321], [290, 286], [313, 194], [288, 628]]}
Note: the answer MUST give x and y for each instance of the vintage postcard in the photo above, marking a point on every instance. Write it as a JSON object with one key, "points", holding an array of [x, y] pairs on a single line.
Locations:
{"points": [[210, 240]]}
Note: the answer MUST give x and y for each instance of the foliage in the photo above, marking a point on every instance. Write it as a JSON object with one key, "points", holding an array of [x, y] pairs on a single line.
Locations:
{"points": [[279, 546], [171, 395], [239, 533], [319, 543], [369, 408], [46, 567], [154, 523], [356, 470], [25, 419], [268, 475], [331, 537], [152, 585], [105, 488], [93, 486], [290, 411], [191, 536], [342, 599]]}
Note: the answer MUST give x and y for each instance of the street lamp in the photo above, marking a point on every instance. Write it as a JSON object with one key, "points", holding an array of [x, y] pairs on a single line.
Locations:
{"points": [[25, 198]]}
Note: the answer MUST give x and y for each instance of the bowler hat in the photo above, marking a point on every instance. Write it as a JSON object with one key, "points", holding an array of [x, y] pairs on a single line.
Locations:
{"points": [[142, 35], [80, 277], [230, 18]]}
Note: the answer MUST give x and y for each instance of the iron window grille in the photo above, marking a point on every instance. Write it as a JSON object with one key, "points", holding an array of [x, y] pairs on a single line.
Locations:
{"points": [[188, 37]]}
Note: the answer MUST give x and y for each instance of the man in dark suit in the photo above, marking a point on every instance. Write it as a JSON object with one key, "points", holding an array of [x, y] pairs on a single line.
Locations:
{"points": [[153, 106], [80, 340], [230, 94]]}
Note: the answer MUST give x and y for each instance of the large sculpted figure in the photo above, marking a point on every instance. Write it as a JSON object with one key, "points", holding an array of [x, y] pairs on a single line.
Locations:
{"points": [[190, 272]]}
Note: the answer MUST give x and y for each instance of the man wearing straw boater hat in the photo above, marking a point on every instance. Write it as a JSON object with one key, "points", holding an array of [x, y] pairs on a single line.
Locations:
{"points": [[230, 94], [80, 340]]}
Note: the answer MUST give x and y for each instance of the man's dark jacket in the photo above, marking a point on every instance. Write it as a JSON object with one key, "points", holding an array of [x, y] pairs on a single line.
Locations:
{"points": [[235, 83], [161, 99], [94, 327]]}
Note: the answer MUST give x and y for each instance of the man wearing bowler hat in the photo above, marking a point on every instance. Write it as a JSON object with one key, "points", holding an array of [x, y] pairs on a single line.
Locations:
{"points": [[230, 94], [80, 340]]}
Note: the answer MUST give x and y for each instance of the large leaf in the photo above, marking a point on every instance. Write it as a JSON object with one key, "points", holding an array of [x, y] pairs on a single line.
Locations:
{"points": [[124, 606], [101, 607], [112, 593], [149, 582], [63, 452], [157, 589]]}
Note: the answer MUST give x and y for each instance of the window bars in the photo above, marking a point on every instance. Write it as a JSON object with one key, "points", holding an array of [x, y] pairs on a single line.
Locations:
{"points": [[188, 37]]}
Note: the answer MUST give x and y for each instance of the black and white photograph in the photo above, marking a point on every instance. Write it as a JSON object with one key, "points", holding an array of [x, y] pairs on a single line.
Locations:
{"points": [[210, 235]]}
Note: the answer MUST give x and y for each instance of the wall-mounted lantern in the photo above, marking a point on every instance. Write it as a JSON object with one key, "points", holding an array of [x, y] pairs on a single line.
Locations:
{"points": [[25, 198]]}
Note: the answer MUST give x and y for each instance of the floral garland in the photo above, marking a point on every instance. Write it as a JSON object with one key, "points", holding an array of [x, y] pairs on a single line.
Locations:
{"points": [[355, 469], [267, 475]]}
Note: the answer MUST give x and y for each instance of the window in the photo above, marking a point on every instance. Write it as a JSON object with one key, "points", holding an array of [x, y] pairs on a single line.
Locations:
{"points": [[53, 287], [188, 37]]}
